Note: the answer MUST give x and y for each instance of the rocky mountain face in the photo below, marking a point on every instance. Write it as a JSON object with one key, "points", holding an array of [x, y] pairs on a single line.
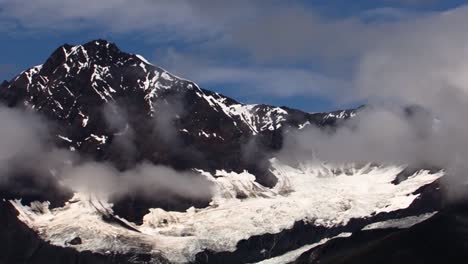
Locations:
{"points": [[440, 239], [115, 107]]}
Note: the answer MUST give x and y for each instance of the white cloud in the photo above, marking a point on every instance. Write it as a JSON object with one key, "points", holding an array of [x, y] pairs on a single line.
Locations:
{"points": [[146, 179], [182, 19], [421, 63]]}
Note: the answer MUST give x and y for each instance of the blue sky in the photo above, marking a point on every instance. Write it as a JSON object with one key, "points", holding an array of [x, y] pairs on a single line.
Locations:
{"points": [[302, 54]]}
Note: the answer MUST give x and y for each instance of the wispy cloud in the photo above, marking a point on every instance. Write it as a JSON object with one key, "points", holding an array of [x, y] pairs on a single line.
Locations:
{"points": [[172, 19]]}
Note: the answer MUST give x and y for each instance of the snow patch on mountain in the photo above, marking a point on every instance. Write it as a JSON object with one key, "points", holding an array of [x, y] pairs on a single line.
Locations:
{"points": [[293, 255], [31, 72], [340, 115], [81, 217], [401, 223], [143, 59], [259, 117]]}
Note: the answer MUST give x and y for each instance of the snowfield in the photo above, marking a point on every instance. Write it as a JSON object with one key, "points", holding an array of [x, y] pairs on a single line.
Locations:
{"points": [[317, 193]]}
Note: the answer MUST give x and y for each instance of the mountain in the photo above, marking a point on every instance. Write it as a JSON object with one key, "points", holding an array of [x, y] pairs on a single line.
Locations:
{"points": [[76, 81], [208, 132], [117, 108]]}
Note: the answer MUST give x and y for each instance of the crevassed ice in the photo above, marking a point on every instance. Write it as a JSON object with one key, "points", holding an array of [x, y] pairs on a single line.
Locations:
{"points": [[312, 193]]}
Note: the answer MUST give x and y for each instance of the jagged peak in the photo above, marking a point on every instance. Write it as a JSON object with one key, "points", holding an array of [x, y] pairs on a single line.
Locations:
{"points": [[93, 45], [101, 43], [102, 67], [95, 51], [100, 53]]}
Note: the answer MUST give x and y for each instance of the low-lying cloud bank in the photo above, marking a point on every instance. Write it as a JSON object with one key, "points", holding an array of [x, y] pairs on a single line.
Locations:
{"points": [[146, 179], [27, 146]]}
